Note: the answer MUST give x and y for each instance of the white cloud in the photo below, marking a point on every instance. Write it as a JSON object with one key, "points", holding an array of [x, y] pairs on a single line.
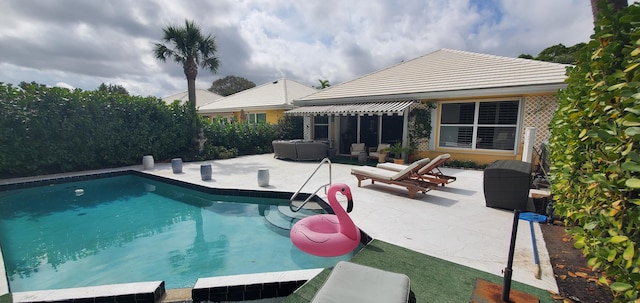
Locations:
{"points": [[64, 85], [263, 40]]}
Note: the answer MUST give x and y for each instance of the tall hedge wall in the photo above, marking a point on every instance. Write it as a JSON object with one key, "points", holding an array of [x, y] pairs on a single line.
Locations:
{"points": [[50, 130], [595, 151]]}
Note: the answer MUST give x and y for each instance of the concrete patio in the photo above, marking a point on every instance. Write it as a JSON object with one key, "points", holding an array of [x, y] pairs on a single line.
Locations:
{"points": [[451, 222]]}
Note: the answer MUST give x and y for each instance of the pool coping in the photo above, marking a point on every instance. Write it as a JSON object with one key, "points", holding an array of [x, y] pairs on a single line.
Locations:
{"points": [[222, 288], [148, 292]]}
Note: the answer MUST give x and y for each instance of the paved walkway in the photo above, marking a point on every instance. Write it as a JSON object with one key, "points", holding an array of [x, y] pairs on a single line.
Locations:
{"points": [[450, 223]]}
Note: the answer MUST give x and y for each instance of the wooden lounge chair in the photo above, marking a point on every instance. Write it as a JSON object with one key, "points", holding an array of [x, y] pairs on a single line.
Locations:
{"points": [[406, 178], [429, 172]]}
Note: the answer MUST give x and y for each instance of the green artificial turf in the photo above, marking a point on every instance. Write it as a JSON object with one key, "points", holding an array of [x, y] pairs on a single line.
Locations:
{"points": [[432, 279]]}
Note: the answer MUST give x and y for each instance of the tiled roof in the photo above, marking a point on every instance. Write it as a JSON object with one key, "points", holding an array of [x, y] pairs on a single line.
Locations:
{"points": [[446, 73], [273, 95], [203, 97]]}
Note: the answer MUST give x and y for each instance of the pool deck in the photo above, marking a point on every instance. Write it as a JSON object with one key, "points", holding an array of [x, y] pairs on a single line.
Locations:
{"points": [[451, 222]]}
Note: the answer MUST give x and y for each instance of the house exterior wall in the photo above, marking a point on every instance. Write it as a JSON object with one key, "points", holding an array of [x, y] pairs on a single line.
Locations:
{"points": [[537, 112], [227, 116], [273, 116]]}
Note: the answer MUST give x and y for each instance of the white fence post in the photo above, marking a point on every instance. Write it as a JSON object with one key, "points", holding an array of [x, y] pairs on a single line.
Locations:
{"points": [[529, 141]]}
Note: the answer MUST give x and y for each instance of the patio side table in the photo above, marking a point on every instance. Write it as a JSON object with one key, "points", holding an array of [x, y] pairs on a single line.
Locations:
{"points": [[362, 157]]}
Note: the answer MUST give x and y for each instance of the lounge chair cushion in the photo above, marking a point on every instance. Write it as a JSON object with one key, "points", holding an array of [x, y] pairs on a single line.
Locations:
{"points": [[379, 173], [424, 170], [386, 174], [391, 166], [350, 282]]}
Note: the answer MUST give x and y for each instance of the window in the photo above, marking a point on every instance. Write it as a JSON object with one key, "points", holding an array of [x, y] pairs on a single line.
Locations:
{"points": [[479, 125], [255, 118], [321, 127]]}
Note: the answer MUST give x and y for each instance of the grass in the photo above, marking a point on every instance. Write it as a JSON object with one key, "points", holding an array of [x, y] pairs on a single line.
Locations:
{"points": [[432, 279]]}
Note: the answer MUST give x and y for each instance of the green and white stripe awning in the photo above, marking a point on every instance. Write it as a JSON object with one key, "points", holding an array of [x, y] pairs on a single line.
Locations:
{"points": [[377, 108]]}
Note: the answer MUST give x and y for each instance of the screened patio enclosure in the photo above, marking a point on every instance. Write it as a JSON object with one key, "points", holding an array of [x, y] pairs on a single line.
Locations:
{"points": [[368, 123]]}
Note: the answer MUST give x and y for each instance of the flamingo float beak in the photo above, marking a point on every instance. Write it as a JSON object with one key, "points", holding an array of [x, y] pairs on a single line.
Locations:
{"points": [[346, 191]]}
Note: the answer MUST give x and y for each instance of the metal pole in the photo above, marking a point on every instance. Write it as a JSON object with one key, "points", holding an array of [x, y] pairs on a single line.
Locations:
{"points": [[506, 288]]}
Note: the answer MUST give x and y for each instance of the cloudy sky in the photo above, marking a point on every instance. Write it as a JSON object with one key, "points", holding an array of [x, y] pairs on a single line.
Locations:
{"points": [[82, 43]]}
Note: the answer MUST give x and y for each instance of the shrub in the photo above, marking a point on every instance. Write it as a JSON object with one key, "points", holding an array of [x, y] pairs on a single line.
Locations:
{"points": [[290, 127], [245, 139], [51, 130], [594, 151]]}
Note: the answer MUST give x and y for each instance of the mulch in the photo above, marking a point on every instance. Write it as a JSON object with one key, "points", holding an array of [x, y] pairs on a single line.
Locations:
{"points": [[576, 280]]}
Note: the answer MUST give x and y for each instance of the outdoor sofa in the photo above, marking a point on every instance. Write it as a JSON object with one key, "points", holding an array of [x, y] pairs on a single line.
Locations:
{"points": [[299, 150]]}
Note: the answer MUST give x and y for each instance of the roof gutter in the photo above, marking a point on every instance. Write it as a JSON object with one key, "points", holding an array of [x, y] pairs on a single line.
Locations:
{"points": [[466, 93], [246, 109]]}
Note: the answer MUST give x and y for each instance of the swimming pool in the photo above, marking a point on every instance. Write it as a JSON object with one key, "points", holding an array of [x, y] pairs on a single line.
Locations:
{"points": [[131, 229]]}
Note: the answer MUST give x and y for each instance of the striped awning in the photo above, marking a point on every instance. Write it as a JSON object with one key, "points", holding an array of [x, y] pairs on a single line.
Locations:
{"points": [[377, 108]]}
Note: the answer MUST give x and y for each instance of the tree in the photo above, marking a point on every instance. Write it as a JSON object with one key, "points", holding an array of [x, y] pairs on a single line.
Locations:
{"points": [[113, 89], [189, 47], [616, 5], [24, 84], [526, 56], [557, 53], [230, 85], [323, 84]]}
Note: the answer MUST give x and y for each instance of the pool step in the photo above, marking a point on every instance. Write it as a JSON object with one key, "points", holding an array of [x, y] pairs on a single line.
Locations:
{"points": [[283, 217]]}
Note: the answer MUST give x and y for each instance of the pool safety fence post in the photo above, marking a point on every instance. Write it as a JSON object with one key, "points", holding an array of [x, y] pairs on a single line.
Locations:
{"points": [[147, 162], [263, 177], [176, 165], [205, 172]]}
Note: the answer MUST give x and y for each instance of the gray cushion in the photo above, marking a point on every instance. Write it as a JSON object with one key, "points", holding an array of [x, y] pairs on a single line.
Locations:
{"points": [[350, 282]]}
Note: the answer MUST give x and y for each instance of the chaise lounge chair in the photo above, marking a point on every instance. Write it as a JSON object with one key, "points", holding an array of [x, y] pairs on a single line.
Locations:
{"points": [[351, 282], [407, 177], [429, 172]]}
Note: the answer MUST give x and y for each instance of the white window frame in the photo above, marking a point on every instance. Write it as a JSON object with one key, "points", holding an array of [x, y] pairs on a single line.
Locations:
{"points": [[474, 143]]}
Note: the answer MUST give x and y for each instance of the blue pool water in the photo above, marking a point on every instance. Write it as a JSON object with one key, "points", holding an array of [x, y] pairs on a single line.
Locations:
{"points": [[132, 229]]}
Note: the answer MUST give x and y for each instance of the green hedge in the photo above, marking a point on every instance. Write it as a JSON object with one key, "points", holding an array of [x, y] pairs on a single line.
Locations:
{"points": [[594, 151], [51, 130], [225, 139]]}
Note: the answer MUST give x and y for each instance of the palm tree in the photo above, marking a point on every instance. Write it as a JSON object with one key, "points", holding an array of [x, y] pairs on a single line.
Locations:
{"points": [[190, 48], [616, 5], [323, 84]]}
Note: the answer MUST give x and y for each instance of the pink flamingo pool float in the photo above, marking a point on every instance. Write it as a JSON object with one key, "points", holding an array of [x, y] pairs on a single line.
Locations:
{"points": [[328, 235]]}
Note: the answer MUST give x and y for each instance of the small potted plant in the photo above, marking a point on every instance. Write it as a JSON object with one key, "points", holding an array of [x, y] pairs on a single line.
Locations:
{"points": [[397, 150]]}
